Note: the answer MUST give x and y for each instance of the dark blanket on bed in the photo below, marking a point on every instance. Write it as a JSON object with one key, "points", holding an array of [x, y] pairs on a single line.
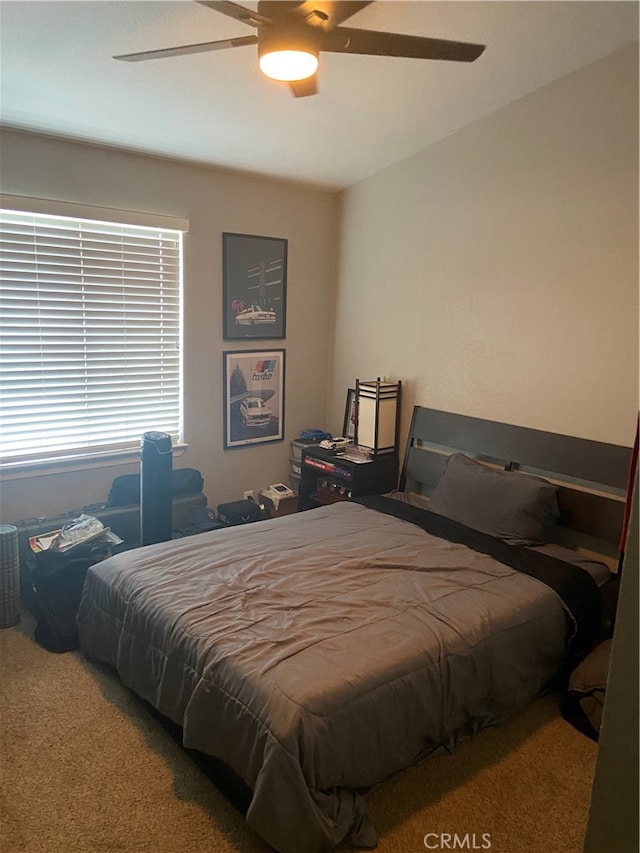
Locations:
{"points": [[575, 587]]}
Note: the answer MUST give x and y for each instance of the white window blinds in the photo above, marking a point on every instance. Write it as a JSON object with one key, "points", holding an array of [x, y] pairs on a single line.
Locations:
{"points": [[89, 325]]}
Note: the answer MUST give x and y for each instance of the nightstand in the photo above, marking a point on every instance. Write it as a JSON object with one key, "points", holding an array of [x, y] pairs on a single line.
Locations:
{"points": [[328, 477]]}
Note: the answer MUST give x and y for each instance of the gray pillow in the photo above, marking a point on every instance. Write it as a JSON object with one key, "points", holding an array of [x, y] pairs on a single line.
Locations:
{"points": [[505, 504]]}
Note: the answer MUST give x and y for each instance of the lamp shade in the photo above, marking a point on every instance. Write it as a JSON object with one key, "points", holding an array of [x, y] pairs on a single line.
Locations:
{"points": [[378, 413]]}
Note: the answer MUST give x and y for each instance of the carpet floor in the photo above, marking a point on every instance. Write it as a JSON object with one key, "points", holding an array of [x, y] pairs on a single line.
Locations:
{"points": [[86, 769]]}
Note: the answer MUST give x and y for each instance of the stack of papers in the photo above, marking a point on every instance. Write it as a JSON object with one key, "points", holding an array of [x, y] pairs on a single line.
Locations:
{"points": [[55, 540]]}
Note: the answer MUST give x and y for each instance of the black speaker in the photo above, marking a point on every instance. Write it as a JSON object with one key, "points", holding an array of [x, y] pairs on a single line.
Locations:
{"points": [[156, 502]]}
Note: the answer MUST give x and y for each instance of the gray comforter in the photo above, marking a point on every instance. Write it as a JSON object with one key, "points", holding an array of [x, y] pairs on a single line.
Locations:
{"points": [[319, 653]]}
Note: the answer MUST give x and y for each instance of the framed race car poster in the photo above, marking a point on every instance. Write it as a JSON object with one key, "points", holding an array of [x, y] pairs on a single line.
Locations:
{"points": [[254, 287], [253, 397]]}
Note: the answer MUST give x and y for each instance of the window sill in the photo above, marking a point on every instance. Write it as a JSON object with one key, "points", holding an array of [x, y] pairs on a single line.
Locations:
{"points": [[23, 469]]}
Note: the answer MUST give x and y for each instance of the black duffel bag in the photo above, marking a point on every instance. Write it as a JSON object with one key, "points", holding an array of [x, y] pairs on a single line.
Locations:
{"points": [[125, 489], [55, 580], [239, 512]]}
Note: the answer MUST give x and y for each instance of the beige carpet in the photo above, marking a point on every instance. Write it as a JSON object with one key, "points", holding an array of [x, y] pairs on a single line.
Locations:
{"points": [[85, 769]]}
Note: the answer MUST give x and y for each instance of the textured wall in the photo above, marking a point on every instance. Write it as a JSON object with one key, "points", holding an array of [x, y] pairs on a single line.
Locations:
{"points": [[496, 272]]}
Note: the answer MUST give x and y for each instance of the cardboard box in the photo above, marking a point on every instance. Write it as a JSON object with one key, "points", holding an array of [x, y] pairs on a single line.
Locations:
{"points": [[285, 506]]}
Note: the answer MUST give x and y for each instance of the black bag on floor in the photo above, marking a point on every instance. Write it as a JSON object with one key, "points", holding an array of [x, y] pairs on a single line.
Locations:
{"points": [[238, 512], [125, 489], [201, 519], [55, 582]]}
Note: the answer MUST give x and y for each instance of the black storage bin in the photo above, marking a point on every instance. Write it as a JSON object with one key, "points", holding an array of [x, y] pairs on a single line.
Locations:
{"points": [[239, 512]]}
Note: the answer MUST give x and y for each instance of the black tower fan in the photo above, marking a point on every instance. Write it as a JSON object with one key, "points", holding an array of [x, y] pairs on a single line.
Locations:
{"points": [[156, 501]]}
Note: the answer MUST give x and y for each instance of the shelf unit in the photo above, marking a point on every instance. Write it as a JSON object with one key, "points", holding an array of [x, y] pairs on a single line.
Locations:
{"points": [[328, 477]]}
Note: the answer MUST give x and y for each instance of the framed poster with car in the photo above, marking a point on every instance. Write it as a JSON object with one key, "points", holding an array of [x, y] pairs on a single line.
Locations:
{"points": [[253, 397], [254, 287]]}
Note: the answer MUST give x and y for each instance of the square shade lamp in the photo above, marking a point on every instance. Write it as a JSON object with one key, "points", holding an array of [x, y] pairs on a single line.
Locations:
{"points": [[377, 415]]}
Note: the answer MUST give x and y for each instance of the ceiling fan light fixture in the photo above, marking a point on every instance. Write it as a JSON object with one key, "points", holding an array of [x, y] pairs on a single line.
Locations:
{"points": [[291, 35], [289, 65]]}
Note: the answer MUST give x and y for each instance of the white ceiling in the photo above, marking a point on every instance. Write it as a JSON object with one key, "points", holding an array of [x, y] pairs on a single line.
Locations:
{"points": [[58, 77]]}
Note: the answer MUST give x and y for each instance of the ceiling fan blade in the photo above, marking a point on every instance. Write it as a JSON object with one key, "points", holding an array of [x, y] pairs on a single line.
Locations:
{"points": [[372, 43], [183, 50], [331, 12], [234, 10], [304, 88]]}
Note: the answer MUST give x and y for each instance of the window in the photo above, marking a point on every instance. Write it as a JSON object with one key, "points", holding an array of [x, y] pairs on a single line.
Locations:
{"points": [[90, 353]]}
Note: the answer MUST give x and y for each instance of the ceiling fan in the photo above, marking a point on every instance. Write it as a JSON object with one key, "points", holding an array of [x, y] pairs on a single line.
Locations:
{"points": [[290, 36]]}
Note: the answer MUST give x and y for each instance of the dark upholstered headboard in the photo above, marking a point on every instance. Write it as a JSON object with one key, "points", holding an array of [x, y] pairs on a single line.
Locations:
{"points": [[591, 475]]}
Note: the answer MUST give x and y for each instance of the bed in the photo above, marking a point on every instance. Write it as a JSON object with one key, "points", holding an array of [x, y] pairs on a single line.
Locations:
{"points": [[318, 654]]}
